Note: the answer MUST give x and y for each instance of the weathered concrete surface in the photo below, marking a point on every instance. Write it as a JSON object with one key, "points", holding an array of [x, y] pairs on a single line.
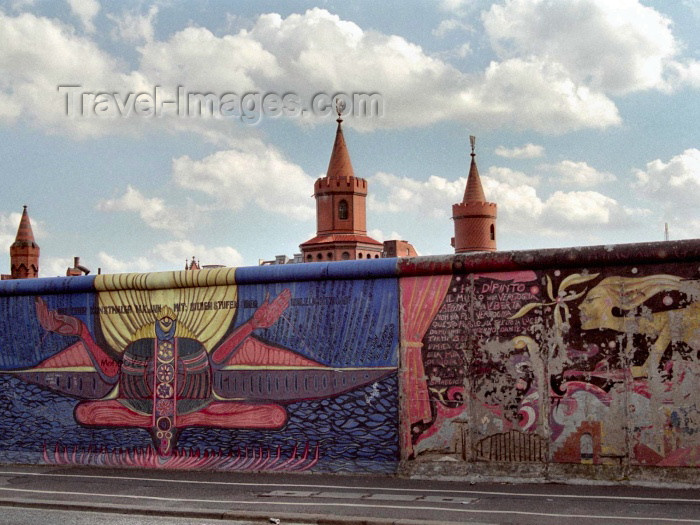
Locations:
{"points": [[578, 363], [562, 364]]}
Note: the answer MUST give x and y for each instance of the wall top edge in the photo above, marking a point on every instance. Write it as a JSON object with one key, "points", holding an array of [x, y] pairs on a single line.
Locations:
{"points": [[601, 255], [498, 261]]}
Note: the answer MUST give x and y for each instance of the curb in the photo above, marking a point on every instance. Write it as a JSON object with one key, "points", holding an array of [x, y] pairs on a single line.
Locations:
{"points": [[220, 515]]}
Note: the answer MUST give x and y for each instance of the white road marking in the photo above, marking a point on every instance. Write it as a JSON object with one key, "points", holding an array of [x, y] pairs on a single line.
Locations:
{"points": [[355, 505], [349, 487]]}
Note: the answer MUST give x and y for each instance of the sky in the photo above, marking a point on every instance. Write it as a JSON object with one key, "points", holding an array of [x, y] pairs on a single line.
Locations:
{"points": [[140, 134]]}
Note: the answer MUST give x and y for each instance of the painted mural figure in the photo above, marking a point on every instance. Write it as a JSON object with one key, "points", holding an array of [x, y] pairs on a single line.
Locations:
{"points": [[612, 304], [164, 379]]}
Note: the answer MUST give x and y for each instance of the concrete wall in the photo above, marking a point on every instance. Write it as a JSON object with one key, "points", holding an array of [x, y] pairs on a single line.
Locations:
{"points": [[549, 364], [229, 369], [554, 364]]}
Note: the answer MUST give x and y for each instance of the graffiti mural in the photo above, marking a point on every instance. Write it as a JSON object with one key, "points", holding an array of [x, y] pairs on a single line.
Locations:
{"points": [[192, 373], [482, 367], [595, 363], [634, 336], [590, 365]]}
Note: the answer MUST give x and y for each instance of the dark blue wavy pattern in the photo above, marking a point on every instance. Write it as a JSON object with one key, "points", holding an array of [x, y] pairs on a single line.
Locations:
{"points": [[355, 432], [31, 416]]}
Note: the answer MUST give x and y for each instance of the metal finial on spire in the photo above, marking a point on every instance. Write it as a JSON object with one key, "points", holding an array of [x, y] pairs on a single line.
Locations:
{"points": [[339, 108], [472, 140]]}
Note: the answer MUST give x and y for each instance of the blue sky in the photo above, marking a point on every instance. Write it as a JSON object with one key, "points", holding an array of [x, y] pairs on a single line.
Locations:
{"points": [[585, 111]]}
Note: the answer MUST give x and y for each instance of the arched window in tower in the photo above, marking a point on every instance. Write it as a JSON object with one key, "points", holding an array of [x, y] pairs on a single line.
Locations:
{"points": [[493, 232], [343, 210]]}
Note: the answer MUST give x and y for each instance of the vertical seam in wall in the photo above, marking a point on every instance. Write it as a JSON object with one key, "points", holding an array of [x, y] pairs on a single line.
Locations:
{"points": [[546, 400], [468, 354], [627, 359], [400, 369]]}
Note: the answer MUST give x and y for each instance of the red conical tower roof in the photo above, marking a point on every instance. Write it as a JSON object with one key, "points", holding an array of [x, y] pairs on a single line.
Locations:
{"points": [[25, 235], [340, 165], [474, 192]]}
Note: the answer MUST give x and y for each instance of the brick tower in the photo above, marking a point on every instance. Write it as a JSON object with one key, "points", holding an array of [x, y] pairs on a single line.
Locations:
{"points": [[475, 218], [24, 252], [341, 229]]}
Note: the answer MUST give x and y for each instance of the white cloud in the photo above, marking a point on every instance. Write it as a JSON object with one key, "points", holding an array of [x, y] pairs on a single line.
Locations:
{"points": [[686, 74], [171, 255], [110, 264], [133, 26], [519, 206], [617, 47], [318, 52], [30, 75], [153, 211], [177, 252], [258, 175], [19, 5], [537, 95], [458, 7], [528, 151], [448, 26], [304, 54], [674, 187], [86, 11], [579, 174], [380, 236], [9, 222], [404, 193], [203, 61], [464, 50], [512, 177], [521, 210], [54, 266], [544, 79], [578, 209]]}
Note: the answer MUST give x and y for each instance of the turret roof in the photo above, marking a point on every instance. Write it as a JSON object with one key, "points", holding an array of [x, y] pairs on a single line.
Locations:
{"points": [[340, 165], [474, 192], [25, 235]]}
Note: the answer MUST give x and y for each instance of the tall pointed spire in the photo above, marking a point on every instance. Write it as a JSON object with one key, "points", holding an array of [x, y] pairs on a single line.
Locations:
{"points": [[24, 252], [474, 192], [340, 165], [24, 232]]}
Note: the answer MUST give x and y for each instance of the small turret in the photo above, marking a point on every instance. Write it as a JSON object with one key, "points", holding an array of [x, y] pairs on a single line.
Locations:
{"points": [[474, 217], [341, 227], [24, 252]]}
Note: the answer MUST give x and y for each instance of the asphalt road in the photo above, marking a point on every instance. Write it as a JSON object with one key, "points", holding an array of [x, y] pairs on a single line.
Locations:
{"points": [[79, 495]]}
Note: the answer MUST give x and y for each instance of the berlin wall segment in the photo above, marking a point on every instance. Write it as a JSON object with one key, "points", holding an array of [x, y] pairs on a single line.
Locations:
{"points": [[577, 362], [196, 370], [554, 364]]}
